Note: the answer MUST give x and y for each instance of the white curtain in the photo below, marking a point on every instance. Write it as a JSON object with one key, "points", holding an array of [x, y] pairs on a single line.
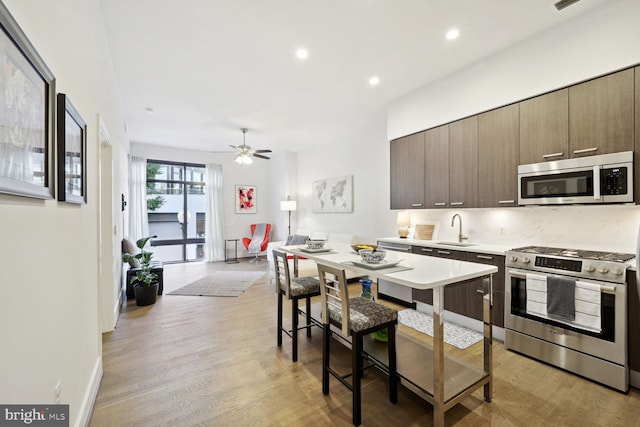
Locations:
{"points": [[214, 217], [138, 221]]}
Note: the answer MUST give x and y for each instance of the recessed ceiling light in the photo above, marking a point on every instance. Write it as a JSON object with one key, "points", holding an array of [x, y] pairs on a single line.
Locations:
{"points": [[452, 34], [302, 53], [374, 81]]}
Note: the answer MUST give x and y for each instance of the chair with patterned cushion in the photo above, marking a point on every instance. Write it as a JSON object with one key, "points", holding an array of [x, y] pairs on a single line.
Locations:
{"points": [[354, 318], [293, 289]]}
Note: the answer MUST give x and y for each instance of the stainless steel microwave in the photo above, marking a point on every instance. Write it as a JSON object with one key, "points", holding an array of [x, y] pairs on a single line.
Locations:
{"points": [[607, 178]]}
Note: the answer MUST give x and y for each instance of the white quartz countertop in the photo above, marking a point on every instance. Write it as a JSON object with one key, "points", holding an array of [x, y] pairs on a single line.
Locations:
{"points": [[424, 273], [474, 247]]}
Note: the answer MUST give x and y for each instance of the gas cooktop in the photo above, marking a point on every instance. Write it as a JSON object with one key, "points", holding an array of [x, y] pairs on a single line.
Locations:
{"points": [[576, 253]]}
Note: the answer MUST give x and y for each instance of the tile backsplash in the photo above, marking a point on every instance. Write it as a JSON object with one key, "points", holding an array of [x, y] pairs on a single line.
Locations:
{"points": [[608, 227]]}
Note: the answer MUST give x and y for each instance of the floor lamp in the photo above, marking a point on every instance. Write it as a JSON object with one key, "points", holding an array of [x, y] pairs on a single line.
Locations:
{"points": [[288, 205]]}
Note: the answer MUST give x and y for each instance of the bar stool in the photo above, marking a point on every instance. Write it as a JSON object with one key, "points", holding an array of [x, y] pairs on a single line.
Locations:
{"points": [[355, 317], [293, 289]]}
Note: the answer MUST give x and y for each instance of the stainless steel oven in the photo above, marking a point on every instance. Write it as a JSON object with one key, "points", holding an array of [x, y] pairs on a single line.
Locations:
{"points": [[592, 339]]}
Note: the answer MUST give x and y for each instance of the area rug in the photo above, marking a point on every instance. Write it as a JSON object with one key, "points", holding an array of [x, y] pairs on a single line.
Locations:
{"points": [[220, 284], [455, 335]]}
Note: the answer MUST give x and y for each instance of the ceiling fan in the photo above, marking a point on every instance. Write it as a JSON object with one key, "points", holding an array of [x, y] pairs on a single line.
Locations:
{"points": [[245, 152]]}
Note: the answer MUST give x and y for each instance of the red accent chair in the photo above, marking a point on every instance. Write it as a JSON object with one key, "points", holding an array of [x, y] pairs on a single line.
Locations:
{"points": [[246, 241]]}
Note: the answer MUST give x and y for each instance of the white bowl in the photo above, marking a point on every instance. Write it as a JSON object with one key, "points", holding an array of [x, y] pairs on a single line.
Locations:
{"points": [[371, 256], [315, 244]]}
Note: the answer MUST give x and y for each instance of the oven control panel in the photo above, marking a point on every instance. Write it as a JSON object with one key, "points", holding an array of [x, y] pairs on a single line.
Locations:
{"points": [[579, 268], [559, 263]]}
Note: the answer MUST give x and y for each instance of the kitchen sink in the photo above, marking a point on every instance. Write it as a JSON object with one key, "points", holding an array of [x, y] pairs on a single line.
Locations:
{"points": [[464, 244]]}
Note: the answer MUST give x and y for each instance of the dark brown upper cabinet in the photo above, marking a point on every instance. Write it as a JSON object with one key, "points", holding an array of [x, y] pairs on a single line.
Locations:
{"points": [[544, 128], [498, 147], [463, 163], [407, 172], [601, 115], [636, 153], [436, 148]]}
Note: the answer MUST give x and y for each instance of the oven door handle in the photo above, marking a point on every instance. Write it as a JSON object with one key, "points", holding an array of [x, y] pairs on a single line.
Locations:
{"points": [[606, 289]]}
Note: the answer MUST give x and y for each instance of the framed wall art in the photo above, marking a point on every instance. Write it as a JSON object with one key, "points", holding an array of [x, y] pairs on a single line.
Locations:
{"points": [[333, 195], [26, 114], [71, 153], [245, 199]]}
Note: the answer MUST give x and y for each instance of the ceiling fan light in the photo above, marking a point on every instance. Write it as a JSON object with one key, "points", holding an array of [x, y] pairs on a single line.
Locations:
{"points": [[243, 159]]}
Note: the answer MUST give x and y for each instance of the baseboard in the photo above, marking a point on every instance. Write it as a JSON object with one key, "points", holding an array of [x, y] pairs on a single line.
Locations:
{"points": [[634, 378], [397, 300], [90, 395]]}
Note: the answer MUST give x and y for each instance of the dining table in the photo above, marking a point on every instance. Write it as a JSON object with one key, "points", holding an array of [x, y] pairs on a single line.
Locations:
{"points": [[449, 380]]}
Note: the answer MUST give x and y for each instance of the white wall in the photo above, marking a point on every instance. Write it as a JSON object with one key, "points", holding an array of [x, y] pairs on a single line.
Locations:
{"points": [[257, 174], [601, 41], [362, 150], [596, 43], [49, 313]]}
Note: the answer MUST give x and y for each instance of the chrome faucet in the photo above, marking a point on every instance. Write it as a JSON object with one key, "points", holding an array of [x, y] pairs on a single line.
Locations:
{"points": [[461, 236]]}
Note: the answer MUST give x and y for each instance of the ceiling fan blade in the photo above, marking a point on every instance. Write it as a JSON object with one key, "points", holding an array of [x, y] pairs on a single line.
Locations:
{"points": [[260, 156], [233, 146], [262, 151]]}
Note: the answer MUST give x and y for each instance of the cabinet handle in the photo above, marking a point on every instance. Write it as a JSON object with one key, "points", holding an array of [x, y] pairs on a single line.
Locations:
{"points": [[440, 204], [426, 250], [480, 291], [394, 248], [546, 156], [416, 205], [444, 252], [485, 257], [585, 150], [504, 202], [456, 203]]}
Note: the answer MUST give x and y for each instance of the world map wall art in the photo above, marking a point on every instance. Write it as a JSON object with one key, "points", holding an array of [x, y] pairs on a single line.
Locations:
{"points": [[333, 195]]}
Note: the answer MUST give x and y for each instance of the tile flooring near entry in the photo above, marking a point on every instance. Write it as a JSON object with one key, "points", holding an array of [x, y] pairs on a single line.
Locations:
{"points": [[213, 361]]}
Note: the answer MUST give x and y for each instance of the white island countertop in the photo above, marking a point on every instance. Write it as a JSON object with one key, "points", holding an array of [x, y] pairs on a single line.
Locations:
{"points": [[442, 389], [423, 273]]}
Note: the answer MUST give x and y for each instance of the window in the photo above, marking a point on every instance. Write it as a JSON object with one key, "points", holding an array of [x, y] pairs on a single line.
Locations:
{"points": [[176, 210]]}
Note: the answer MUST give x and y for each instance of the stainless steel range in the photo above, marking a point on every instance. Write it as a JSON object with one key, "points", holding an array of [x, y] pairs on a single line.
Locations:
{"points": [[569, 308]]}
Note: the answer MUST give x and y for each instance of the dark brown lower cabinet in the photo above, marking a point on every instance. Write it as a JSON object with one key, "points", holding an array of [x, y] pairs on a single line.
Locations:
{"points": [[633, 330], [465, 298]]}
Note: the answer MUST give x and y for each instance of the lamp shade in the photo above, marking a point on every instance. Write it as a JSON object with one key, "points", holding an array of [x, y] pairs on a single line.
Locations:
{"points": [[288, 205], [403, 219]]}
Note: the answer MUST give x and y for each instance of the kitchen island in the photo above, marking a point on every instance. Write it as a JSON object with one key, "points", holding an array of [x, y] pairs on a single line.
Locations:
{"points": [[450, 380]]}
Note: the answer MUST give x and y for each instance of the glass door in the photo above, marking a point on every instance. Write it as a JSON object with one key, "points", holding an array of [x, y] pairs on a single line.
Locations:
{"points": [[176, 210]]}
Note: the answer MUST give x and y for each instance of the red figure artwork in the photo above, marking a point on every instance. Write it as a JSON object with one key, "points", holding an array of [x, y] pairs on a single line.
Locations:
{"points": [[245, 199]]}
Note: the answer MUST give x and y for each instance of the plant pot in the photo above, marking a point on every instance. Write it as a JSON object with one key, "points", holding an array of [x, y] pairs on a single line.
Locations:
{"points": [[145, 295]]}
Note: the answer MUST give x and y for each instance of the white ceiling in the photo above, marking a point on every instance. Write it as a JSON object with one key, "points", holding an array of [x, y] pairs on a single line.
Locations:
{"points": [[210, 67]]}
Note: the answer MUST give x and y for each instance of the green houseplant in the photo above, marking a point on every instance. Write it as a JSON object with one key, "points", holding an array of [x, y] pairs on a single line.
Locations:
{"points": [[145, 283]]}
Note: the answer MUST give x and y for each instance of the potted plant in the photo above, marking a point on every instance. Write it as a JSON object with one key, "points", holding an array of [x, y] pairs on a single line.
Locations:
{"points": [[145, 282]]}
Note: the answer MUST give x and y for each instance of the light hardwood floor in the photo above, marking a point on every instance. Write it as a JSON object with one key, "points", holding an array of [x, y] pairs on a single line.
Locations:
{"points": [[213, 361]]}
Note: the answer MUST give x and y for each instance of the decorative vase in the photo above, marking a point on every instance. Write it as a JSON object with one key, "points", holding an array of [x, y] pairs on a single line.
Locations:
{"points": [[366, 293], [145, 295]]}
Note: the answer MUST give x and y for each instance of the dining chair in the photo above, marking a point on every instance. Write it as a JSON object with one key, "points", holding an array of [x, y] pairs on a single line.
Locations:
{"points": [[293, 289], [258, 241], [354, 318]]}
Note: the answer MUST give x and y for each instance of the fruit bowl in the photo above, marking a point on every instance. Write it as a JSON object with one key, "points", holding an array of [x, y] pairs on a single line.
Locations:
{"points": [[372, 256], [315, 244], [358, 248]]}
